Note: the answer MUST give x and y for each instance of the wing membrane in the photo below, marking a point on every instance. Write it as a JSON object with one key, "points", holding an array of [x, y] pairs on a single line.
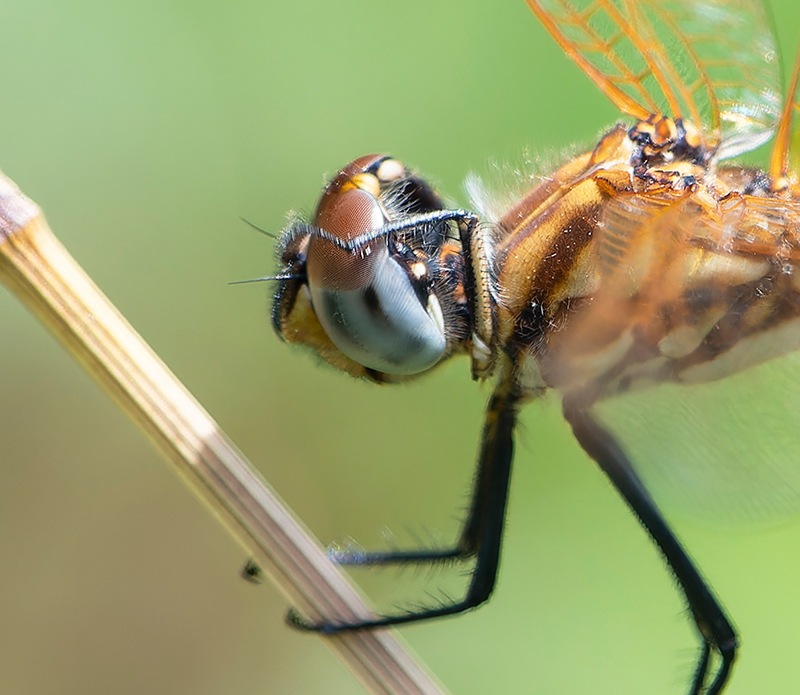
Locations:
{"points": [[723, 452], [783, 162], [710, 61], [718, 284]]}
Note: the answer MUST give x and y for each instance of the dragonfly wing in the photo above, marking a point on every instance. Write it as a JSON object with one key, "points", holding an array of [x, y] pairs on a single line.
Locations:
{"points": [[726, 451], [704, 398], [785, 152], [713, 62]]}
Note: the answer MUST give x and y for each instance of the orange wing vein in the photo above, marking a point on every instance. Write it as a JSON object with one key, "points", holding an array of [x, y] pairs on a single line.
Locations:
{"points": [[780, 165], [709, 61]]}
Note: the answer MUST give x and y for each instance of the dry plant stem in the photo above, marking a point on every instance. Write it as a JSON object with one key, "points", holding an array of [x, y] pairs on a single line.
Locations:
{"points": [[35, 266]]}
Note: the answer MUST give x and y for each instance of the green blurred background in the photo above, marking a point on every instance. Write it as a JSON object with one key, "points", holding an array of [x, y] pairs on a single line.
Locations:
{"points": [[145, 129]]}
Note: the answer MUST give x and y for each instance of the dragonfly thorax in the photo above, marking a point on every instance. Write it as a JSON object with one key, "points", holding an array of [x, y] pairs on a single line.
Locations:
{"points": [[660, 140]]}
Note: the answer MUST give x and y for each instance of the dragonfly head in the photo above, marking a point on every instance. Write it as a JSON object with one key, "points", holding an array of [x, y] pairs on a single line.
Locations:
{"points": [[374, 283]]}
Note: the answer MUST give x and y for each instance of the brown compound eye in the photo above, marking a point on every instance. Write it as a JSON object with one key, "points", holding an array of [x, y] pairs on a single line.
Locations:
{"points": [[366, 296]]}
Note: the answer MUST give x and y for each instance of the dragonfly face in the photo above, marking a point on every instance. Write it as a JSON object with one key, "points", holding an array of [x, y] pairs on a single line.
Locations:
{"points": [[645, 261], [377, 302]]}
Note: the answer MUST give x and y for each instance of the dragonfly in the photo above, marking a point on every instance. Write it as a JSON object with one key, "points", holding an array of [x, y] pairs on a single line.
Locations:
{"points": [[636, 281]]}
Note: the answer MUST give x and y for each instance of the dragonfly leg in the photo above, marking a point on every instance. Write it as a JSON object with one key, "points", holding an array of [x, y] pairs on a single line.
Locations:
{"points": [[713, 625], [481, 535]]}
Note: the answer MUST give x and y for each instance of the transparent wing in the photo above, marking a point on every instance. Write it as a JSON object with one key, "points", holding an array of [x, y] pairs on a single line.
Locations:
{"points": [[723, 452], [712, 62], [694, 331], [785, 153]]}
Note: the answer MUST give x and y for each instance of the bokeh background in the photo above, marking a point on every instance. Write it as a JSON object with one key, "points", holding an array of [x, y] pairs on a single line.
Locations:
{"points": [[145, 130]]}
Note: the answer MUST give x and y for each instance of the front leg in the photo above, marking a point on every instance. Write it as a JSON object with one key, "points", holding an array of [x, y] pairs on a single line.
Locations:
{"points": [[480, 537]]}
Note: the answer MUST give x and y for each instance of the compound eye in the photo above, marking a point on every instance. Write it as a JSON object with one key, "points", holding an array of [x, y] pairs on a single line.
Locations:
{"points": [[373, 304]]}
